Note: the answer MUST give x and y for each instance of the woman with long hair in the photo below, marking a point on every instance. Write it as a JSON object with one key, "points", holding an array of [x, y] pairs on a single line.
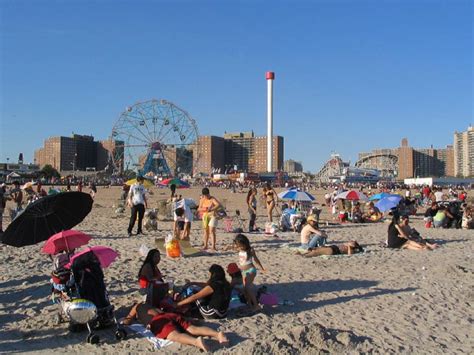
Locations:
{"points": [[149, 271], [213, 299], [398, 238], [252, 207], [270, 197]]}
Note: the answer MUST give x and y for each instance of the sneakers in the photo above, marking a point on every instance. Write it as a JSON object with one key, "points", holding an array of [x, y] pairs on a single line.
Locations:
{"points": [[129, 234]]}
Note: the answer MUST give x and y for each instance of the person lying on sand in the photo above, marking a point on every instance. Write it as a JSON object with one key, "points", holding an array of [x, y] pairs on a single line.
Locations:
{"points": [[172, 326], [348, 248]]}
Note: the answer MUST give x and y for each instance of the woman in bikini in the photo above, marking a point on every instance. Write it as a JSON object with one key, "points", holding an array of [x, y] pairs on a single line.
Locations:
{"points": [[270, 199], [348, 248]]}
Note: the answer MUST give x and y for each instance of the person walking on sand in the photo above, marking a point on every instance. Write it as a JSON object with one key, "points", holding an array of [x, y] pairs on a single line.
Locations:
{"points": [[208, 206], [138, 203]]}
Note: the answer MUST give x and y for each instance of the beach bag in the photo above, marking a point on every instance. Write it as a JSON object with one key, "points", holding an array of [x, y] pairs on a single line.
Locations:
{"points": [[173, 248], [270, 228]]}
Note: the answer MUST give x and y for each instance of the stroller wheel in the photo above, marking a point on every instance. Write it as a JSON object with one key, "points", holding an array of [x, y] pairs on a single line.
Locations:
{"points": [[120, 334], [93, 338]]}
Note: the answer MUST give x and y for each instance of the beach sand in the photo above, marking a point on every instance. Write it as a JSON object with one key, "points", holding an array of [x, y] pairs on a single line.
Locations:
{"points": [[380, 301]]}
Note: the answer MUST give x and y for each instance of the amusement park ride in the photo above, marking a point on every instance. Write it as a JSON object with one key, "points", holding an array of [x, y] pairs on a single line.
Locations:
{"points": [[155, 138]]}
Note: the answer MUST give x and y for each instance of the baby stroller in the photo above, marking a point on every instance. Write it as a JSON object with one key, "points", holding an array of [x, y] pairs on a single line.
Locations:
{"points": [[83, 298]]}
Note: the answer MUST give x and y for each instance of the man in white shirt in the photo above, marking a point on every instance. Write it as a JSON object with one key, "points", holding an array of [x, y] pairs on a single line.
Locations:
{"points": [[439, 196], [137, 202], [183, 217]]}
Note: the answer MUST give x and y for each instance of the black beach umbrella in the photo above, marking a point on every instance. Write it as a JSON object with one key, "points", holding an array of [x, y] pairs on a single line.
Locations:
{"points": [[47, 216]]}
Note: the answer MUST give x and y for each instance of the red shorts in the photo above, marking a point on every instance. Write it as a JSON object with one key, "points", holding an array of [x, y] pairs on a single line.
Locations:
{"points": [[163, 324]]}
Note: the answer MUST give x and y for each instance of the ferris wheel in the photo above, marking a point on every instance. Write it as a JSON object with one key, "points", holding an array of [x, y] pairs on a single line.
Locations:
{"points": [[155, 137]]}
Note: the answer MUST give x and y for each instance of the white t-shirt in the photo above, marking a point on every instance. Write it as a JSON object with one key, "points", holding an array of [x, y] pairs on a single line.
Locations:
{"points": [[439, 196], [137, 193], [187, 216]]}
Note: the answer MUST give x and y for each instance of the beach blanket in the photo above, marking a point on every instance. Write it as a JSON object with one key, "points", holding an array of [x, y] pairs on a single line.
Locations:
{"points": [[145, 333]]}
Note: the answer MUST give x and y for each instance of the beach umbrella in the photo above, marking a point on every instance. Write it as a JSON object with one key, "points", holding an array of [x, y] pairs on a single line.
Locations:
{"points": [[180, 184], [105, 255], [47, 216], [379, 196], [388, 203], [147, 183], [296, 194], [352, 195], [65, 240]]}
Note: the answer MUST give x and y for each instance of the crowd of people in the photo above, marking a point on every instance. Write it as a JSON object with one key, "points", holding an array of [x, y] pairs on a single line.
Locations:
{"points": [[165, 309]]}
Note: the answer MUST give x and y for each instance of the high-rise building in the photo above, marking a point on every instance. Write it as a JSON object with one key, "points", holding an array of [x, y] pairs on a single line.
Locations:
{"points": [[260, 155], [78, 152], [292, 166], [210, 154], [242, 151], [464, 153]]}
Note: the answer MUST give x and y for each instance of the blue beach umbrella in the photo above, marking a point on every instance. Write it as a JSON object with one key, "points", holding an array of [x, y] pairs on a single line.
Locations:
{"points": [[379, 196], [388, 203], [296, 194]]}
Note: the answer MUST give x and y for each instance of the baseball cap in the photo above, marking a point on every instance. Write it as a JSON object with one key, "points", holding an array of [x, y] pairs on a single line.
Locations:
{"points": [[232, 268]]}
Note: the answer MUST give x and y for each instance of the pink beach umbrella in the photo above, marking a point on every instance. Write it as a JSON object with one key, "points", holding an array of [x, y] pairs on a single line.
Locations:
{"points": [[105, 255], [65, 240], [352, 195]]}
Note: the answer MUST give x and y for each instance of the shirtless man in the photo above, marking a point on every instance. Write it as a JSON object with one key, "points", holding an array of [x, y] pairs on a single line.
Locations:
{"points": [[311, 235]]}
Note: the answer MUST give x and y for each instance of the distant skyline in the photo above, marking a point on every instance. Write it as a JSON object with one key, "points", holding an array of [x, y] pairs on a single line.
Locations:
{"points": [[351, 76]]}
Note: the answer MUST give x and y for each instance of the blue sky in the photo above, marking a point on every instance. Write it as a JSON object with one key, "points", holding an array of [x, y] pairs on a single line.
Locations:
{"points": [[351, 76]]}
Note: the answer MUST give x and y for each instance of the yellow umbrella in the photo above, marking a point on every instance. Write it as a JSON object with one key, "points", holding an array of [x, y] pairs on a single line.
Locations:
{"points": [[146, 183]]}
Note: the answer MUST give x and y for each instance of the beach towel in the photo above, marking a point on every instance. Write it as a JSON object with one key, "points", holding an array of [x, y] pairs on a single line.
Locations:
{"points": [[145, 333]]}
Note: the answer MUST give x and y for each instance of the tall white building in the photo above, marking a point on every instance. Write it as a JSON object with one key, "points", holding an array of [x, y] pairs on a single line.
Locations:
{"points": [[464, 153]]}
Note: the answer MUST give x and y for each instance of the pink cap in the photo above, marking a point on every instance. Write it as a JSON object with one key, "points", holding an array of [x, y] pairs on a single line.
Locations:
{"points": [[270, 75]]}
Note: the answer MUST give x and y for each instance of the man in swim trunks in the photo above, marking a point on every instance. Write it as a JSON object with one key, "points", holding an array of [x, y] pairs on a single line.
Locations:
{"points": [[208, 206]]}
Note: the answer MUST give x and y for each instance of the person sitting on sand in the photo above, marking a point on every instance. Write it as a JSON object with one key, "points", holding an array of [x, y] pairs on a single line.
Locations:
{"points": [[413, 234], [149, 271], [373, 214], [214, 297], [311, 235], [440, 220], [348, 248], [430, 213], [172, 326], [467, 218], [236, 280], [397, 238], [356, 213]]}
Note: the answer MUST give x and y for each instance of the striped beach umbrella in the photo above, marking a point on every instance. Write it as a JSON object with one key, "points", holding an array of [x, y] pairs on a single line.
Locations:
{"points": [[352, 195], [296, 194]]}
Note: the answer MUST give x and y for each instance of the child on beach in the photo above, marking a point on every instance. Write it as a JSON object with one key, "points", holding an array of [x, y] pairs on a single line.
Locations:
{"points": [[247, 257]]}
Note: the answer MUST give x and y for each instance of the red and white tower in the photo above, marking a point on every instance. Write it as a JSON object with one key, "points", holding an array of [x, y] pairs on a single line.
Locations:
{"points": [[270, 77]]}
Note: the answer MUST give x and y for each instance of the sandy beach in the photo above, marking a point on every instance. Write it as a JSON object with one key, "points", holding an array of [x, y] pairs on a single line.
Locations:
{"points": [[381, 301]]}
